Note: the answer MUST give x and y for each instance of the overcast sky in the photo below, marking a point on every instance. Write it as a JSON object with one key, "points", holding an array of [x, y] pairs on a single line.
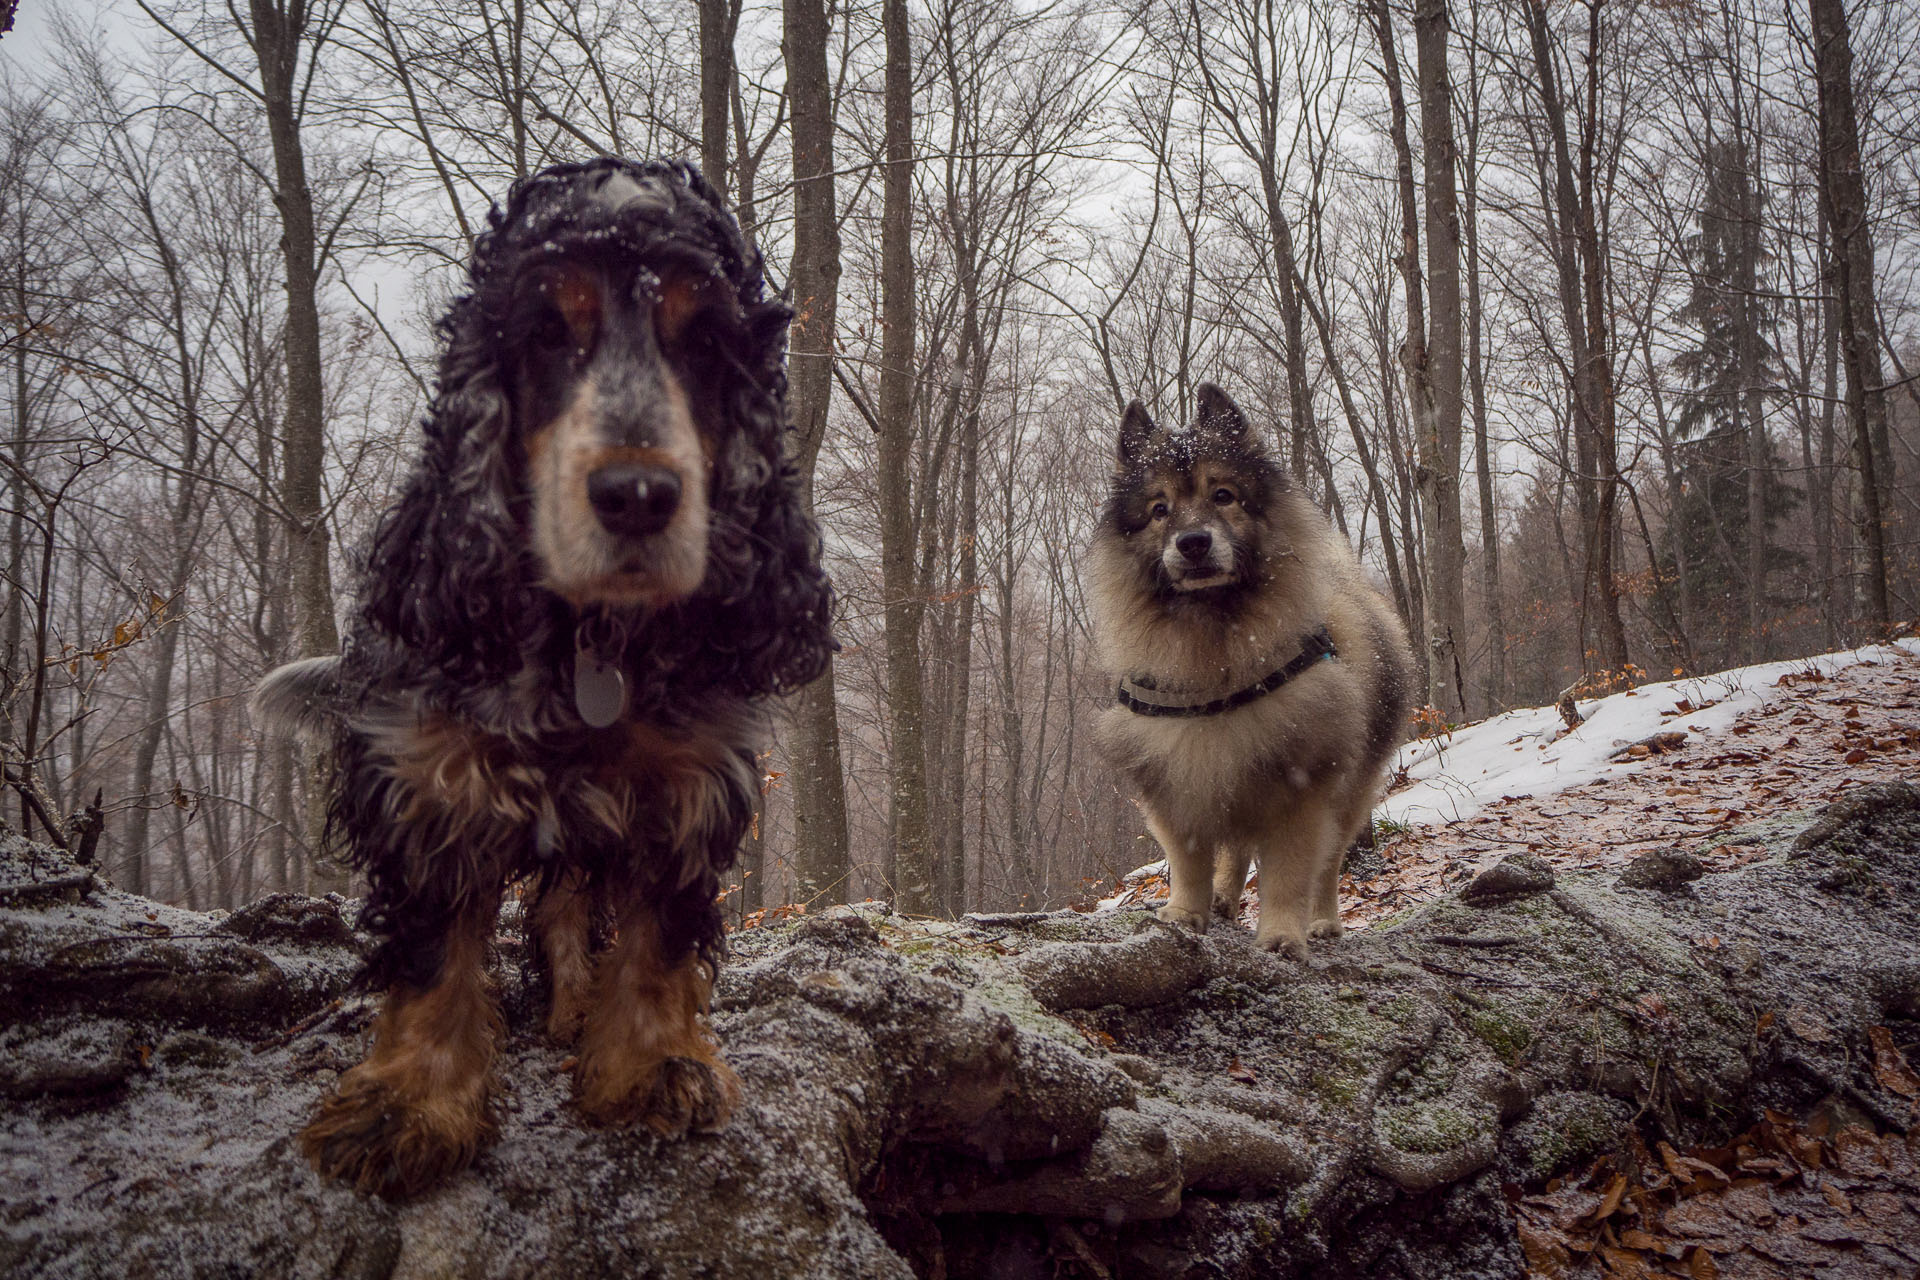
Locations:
{"points": [[31, 41]]}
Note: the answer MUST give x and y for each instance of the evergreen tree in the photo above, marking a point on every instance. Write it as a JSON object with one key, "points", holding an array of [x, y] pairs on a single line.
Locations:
{"points": [[1721, 411]]}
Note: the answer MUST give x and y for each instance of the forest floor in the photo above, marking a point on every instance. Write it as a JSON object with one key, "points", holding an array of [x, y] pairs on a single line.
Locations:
{"points": [[1793, 1196], [1814, 737]]}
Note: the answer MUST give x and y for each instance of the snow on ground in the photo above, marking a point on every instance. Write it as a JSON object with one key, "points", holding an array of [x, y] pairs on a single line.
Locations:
{"points": [[1518, 754], [1530, 753]]}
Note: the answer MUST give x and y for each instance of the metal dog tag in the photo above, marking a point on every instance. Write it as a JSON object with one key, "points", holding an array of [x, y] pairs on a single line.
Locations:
{"points": [[599, 690]]}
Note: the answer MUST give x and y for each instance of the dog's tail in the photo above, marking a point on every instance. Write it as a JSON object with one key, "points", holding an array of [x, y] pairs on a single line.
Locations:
{"points": [[301, 699]]}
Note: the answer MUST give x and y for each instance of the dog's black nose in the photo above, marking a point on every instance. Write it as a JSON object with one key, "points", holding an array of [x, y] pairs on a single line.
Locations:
{"points": [[633, 499], [1195, 544]]}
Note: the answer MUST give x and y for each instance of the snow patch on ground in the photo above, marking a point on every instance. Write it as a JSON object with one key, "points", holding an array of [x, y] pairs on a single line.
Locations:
{"points": [[1517, 753]]}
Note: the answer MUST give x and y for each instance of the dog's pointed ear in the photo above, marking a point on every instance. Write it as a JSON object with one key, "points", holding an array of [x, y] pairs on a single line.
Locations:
{"points": [[1136, 429], [1218, 415]]}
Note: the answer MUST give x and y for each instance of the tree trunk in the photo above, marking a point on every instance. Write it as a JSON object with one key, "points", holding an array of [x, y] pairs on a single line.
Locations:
{"points": [[1494, 686], [1683, 611], [1012, 724], [1844, 194], [965, 207], [19, 494], [1602, 590], [1576, 252], [1299, 396], [1368, 467], [1752, 404], [819, 783], [1440, 447], [1822, 477], [753, 862], [184, 518], [1413, 348], [951, 839], [718, 21], [1396, 457], [907, 765], [279, 27]]}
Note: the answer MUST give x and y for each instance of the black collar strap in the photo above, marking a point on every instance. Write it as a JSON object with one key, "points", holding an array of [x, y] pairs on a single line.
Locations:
{"points": [[1317, 647]]}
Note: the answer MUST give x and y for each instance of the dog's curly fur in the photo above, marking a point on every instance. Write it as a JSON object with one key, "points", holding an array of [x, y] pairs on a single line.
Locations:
{"points": [[616, 315]]}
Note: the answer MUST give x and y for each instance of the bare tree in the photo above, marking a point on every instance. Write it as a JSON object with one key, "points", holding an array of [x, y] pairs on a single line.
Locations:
{"points": [[719, 23], [1431, 354], [1495, 682], [819, 786], [1440, 446], [1845, 196], [1578, 256], [1241, 49], [286, 38], [912, 842]]}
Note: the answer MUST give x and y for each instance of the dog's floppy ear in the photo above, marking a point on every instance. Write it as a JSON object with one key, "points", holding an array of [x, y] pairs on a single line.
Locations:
{"points": [[1137, 429], [446, 575], [1218, 415], [769, 619]]}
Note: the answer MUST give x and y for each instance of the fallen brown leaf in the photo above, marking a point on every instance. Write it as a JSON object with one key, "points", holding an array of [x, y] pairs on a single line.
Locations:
{"points": [[1890, 1065], [1685, 1168], [1808, 1026], [1609, 1200], [1546, 1250], [1626, 1265]]}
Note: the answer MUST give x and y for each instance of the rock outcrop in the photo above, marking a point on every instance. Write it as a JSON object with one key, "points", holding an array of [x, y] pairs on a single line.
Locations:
{"points": [[1022, 1095]]}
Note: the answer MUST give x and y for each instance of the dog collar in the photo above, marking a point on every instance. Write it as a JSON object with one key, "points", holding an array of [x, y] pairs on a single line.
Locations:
{"points": [[1314, 648]]}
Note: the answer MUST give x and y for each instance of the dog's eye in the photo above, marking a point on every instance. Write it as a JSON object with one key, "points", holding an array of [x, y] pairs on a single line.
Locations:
{"points": [[1222, 497], [562, 306], [549, 331], [675, 308], [1158, 511]]}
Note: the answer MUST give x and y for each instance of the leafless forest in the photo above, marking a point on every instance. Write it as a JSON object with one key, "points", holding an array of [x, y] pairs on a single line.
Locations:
{"points": [[1595, 324]]}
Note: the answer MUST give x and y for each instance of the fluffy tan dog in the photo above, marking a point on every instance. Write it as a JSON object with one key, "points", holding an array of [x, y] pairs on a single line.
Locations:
{"points": [[1262, 682]]}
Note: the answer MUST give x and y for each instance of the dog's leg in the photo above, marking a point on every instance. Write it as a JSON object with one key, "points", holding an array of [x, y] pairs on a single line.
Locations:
{"points": [[563, 921], [1290, 870], [418, 1109], [1230, 879], [1356, 813], [1190, 875], [645, 1054], [1324, 917]]}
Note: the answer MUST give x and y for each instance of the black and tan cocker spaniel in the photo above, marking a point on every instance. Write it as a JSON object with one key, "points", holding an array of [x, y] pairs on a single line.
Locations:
{"points": [[568, 628]]}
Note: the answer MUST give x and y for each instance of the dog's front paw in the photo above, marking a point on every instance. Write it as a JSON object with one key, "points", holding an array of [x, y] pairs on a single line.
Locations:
{"points": [[673, 1097], [691, 1095], [1325, 929], [1194, 920], [1285, 942], [368, 1135], [567, 1015]]}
